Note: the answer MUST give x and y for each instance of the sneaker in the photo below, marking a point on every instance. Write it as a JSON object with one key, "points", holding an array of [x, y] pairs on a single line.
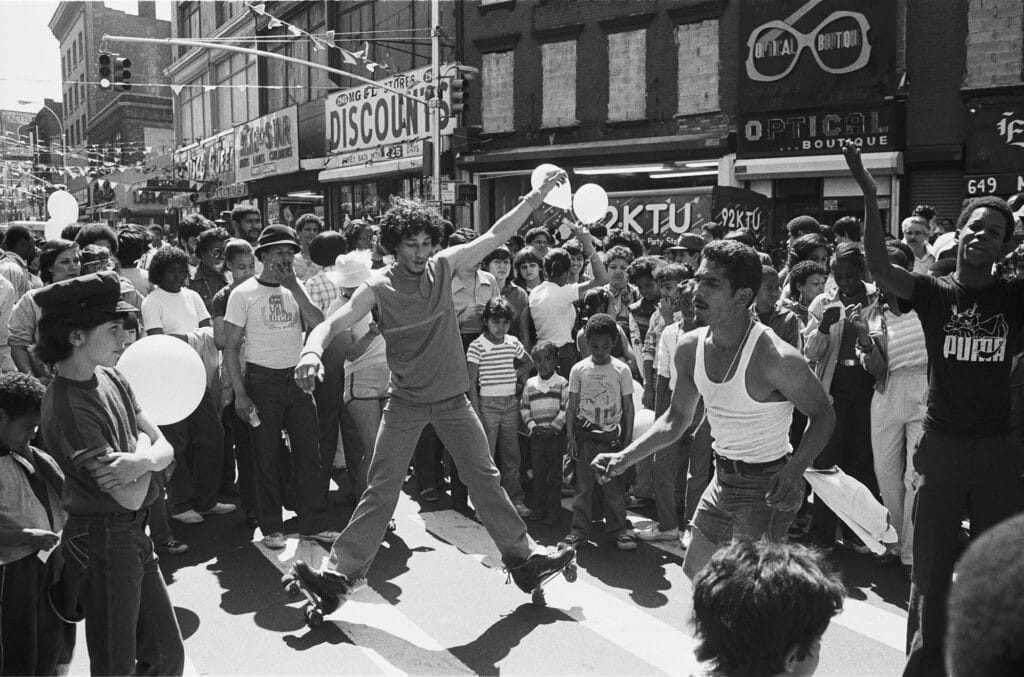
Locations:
{"points": [[522, 510], [326, 537], [171, 547], [653, 533], [638, 502], [574, 540], [275, 540], [528, 573], [190, 516], [430, 495], [220, 509], [626, 541]]}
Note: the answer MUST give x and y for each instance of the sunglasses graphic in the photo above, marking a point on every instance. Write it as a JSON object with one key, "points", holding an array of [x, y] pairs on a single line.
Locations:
{"points": [[764, 43]]}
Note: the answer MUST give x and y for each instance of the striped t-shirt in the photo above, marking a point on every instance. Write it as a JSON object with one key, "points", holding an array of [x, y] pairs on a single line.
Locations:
{"points": [[544, 402], [496, 363]]}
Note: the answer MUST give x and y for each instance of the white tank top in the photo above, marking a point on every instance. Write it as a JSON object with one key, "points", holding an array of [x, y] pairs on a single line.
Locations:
{"points": [[743, 428]]}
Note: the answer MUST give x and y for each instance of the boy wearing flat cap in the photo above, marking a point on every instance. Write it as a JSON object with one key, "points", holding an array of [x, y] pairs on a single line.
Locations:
{"points": [[108, 451]]}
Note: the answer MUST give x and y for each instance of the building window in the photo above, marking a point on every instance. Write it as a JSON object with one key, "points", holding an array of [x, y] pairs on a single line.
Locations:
{"points": [[627, 75], [496, 91], [63, 67], [558, 67], [225, 11], [299, 83], [195, 117], [235, 105], [80, 43], [697, 47], [189, 25]]}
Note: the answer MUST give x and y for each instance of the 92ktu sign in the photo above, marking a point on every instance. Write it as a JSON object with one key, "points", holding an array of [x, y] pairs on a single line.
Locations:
{"points": [[816, 53]]}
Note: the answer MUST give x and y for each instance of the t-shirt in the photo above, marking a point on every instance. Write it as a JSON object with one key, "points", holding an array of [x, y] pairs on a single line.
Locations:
{"points": [[174, 313], [553, 313], [83, 419], [665, 361], [496, 362], [270, 317], [219, 306], [971, 337], [601, 388]]}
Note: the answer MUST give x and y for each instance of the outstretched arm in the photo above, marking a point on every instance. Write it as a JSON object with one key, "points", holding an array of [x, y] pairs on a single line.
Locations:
{"points": [[891, 277], [310, 368]]}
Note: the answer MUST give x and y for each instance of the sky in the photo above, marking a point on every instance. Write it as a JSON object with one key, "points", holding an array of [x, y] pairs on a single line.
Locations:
{"points": [[30, 55]]}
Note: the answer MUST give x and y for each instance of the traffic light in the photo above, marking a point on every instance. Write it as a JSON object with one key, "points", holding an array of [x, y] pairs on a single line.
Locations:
{"points": [[104, 62], [459, 85], [121, 72]]}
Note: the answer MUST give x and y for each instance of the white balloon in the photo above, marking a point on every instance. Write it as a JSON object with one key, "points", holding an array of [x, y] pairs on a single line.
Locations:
{"points": [[560, 195], [63, 207], [642, 418], [167, 375], [590, 203], [53, 229]]}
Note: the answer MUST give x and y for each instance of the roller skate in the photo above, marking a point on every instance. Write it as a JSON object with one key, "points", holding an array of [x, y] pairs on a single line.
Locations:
{"points": [[531, 574]]}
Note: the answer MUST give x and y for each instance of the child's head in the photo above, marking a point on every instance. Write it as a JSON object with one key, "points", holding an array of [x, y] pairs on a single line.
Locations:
{"points": [[641, 274], [602, 333], [239, 259], [771, 289], [168, 269], [21, 397], [497, 316], [557, 264], [325, 248], [545, 358], [528, 266], [210, 247], [596, 300], [95, 259]]}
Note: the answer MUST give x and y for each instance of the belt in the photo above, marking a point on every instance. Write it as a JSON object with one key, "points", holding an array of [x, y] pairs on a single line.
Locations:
{"points": [[848, 363], [731, 466]]}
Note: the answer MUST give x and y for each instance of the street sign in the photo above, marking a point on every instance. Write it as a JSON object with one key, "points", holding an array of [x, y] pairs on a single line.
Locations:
{"points": [[448, 189], [171, 185], [993, 184]]}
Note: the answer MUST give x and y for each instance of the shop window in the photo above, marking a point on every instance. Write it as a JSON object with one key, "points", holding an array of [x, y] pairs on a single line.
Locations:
{"points": [[496, 91], [558, 66], [697, 59], [299, 83], [627, 75]]}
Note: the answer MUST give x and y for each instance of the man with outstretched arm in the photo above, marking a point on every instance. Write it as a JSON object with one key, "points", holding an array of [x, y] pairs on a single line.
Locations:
{"points": [[967, 456], [429, 382], [750, 380]]}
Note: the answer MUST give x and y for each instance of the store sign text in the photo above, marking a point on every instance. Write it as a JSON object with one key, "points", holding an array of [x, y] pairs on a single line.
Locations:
{"points": [[817, 132], [210, 158], [268, 145]]}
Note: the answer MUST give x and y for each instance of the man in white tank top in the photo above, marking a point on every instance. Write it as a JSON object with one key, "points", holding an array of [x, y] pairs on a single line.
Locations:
{"points": [[750, 380]]}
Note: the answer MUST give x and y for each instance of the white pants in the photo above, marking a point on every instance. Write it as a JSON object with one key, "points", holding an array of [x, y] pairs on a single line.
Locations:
{"points": [[896, 419]]}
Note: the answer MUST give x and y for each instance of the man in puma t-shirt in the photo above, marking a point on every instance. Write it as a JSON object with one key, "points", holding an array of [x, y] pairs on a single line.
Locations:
{"points": [[971, 320]]}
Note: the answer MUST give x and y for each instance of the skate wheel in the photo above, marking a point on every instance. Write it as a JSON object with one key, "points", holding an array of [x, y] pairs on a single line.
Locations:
{"points": [[569, 573], [315, 617], [538, 597]]}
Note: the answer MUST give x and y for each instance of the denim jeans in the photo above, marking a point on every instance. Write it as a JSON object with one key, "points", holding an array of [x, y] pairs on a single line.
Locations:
{"points": [[33, 639], [329, 397], [198, 443], [547, 453], [241, 434], [460, 431], [500, 418], [130, 627], [282, 406], [734, 507], [980, 473], [695, 467], [589, 445]]}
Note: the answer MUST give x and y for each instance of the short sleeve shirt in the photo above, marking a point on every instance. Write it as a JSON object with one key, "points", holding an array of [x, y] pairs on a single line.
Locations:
{"points": [[174, 313], [601, 388], [553, 312], [971, 337], [496, 364], [269, 315], [666, 355]]}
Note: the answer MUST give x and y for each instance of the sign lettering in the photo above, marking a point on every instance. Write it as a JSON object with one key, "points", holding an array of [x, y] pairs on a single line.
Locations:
{"points": [[817, 132], [267, 145]]}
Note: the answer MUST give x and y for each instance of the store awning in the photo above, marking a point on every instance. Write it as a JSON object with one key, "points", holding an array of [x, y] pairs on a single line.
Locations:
{"points": [[815, 165], [363, 171]]}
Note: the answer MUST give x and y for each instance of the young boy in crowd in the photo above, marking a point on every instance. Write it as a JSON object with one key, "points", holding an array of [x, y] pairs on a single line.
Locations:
{"points": [[544, 401], [641, 275], [768, 312], [108, 451], [496, 361], [599, 420], [33, 639]]}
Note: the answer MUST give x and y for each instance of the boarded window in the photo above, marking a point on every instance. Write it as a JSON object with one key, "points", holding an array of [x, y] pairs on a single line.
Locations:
{"points": [[496, 95], [627, 75], [558, 63], [697, 47]]}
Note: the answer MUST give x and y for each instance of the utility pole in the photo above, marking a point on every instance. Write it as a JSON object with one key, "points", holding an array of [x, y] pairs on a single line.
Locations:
{"points": [[435, 103]]}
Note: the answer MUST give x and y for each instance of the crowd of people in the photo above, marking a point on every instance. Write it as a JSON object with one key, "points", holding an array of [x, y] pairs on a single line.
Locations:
{"points": [[500, 372]]}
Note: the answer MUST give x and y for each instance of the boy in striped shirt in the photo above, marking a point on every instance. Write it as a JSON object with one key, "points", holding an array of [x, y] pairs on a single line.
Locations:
{"points": [[543, 411], [496, 361]]}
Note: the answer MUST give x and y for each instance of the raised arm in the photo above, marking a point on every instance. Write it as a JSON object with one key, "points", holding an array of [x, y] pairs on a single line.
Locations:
{"points": [[310, 368], [469, 255], [891, 277]]}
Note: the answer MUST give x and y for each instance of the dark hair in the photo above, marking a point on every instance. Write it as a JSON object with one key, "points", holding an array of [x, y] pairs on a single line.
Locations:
{"points": [[93, 232], [515, 243], [241, 211], [849, 226], [556, 263], [986, 605], [740, 264], [542, 347], [498, 307], [801, 272], [526, 255], [602, 324], [55, 328], [162, 259], [462, 236], [132, 243], [20, 394], [594, 302], [742, 235], [901, 254], [15, 235], [989, 202], [408, 218], [352, 231], [926, 212], [621, 238], [326, 247], [71, 231], [618, 252], [306, 218], [849, 252], [499, 254], [51, 251], [643, 267], [209, 236], [804, 246], [236, 247], [715, 230], [447, 230], [755, 601], [673, 272], [192, 226], [534, 232], [573, 247], [802, 225], [94, 253]]}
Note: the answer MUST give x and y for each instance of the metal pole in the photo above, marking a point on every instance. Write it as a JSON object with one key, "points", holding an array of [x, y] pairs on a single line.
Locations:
{"points": [[269, 55], [435, 111]]}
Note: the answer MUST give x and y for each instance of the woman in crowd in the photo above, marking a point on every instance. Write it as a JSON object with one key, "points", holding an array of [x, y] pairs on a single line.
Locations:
{"points": [[806, 281], [499, 264], [529, 269]]}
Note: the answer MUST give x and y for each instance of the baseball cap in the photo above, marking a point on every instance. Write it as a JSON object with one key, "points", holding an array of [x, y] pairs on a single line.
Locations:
{"points": [[99, 292]]}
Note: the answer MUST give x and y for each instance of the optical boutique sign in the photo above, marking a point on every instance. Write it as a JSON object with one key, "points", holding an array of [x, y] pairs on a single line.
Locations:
{"points": [[815, 72]]}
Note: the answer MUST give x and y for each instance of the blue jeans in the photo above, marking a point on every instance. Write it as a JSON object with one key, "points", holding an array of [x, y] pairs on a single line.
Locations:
{"points": [[198, 443], [500, 418], [282, 406], [130, 627], [589, 445], [734, 507], [460, 431], [547, 453]]}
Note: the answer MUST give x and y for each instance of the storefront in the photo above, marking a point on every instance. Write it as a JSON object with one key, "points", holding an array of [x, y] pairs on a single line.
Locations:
{"points": [[810, 80], [209, 166], [995, 149]]}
